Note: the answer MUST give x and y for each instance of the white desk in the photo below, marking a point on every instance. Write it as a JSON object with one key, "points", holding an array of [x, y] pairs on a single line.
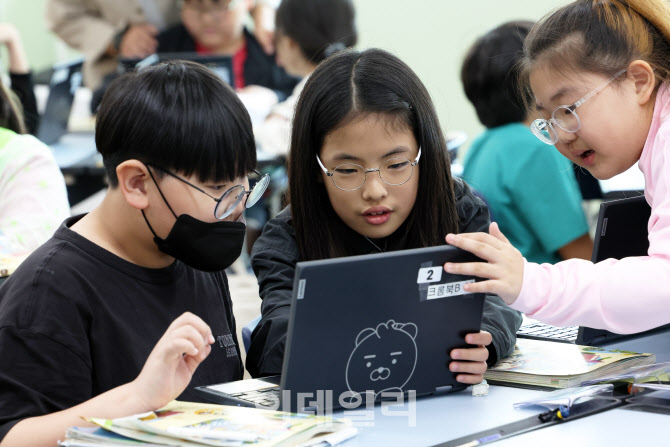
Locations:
{"points": [[616, 427], [443, 418]]}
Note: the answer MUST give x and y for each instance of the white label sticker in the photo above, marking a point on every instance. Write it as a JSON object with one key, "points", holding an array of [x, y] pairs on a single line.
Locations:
{"points": [[447, 290], [301, 288], [430, 274]]}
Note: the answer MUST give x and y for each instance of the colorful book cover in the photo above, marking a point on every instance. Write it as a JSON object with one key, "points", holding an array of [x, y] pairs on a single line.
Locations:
{"points": [[558, 365], [187, 423]]}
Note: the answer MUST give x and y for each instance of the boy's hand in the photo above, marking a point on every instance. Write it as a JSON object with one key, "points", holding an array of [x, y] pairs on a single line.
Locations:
{"points": [[171, 364], [470, 363], [504, 269]]}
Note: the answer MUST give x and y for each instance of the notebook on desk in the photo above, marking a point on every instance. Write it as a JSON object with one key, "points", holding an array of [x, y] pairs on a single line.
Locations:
{"points": [[621, 232], [65, 81], [363, 327]]}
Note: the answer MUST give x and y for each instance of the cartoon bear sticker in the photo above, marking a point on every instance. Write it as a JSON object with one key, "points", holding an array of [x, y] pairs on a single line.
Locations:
{"points": [[383, 359]]}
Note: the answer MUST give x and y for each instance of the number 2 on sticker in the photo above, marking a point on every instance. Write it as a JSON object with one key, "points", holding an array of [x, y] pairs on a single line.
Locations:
{"points": [[429, 274]]}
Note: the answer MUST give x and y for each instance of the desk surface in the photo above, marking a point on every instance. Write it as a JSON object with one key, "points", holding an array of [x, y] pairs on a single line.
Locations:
{"points": [[442, 418]]}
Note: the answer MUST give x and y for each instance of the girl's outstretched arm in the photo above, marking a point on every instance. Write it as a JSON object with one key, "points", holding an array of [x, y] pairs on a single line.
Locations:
{"points": [[624, 296]]}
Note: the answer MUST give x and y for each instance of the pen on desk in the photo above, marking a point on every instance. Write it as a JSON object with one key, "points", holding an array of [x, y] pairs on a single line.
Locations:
{"points": [[212, 434], [562, 413], [484, 440]]}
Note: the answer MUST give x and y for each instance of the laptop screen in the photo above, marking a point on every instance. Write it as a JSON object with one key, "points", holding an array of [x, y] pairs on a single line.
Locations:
{"points": [[221, 65], [376, 323], [622, 232], [65, 81], [622, 229]]}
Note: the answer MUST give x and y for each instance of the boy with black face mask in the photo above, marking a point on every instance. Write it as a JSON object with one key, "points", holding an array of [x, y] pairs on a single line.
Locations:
{"points": [[114, 313]]}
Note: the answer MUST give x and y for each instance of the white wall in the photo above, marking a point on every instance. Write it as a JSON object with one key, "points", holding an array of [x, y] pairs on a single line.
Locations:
{"points": [[42, 47], [432, 36]]}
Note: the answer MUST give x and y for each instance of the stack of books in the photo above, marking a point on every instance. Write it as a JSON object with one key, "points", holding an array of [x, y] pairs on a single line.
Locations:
{"points": [[196, 425], [548, 364]]}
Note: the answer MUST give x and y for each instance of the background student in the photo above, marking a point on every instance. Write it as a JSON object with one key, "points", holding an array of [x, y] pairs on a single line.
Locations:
{"points": [[530, 188], [104, 30], [114, 313], [217, 27], [367, 110], [33, 198], [605, 104], [307, 31], [20, 75]]}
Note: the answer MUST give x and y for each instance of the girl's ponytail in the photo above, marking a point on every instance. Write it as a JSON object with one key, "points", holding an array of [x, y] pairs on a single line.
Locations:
{"points": [[656, 12], [601, 37]]}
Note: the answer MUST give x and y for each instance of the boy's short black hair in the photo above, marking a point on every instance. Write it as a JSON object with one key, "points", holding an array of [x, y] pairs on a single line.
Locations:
{"points": [[180, 116], [490, 74]]}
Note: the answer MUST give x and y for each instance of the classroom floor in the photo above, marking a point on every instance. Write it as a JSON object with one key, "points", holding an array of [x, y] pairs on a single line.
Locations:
{"points": [[246, 303]]}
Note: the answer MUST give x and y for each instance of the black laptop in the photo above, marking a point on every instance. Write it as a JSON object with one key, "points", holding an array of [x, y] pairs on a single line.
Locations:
{"points": [[221, 65], [621, 232], [366, 328], [65, 81]]}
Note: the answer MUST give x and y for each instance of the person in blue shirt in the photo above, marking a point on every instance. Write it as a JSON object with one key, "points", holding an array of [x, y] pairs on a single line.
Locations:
{"points": [[531, 191]]}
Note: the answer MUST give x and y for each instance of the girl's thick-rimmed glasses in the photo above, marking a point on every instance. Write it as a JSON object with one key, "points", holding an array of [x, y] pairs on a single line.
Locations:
{"points": [[350, 176], [232, 197], [565, 117]]}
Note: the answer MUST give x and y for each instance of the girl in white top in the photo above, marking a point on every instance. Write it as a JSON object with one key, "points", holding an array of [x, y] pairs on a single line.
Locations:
{"points": [[33, 198]]}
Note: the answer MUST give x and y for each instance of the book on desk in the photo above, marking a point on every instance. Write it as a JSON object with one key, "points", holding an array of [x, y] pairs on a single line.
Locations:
{"points": [[9, 263], [546, 364], [193, 424]]}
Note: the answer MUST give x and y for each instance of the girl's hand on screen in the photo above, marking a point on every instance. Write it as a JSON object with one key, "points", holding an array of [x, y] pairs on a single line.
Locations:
{"points": [[503, 269]]}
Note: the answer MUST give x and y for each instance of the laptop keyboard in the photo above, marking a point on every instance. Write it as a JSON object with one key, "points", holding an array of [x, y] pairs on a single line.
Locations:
{"points": [[266, 397], [541, 331]]}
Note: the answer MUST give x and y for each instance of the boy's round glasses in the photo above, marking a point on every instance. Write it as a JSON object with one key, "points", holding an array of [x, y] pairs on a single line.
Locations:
{"points": [[350, 176], [565, 117], [231, 198]]}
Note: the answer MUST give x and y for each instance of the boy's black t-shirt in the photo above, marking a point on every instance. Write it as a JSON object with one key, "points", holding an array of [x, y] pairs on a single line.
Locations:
{"points": [[76, 321]]}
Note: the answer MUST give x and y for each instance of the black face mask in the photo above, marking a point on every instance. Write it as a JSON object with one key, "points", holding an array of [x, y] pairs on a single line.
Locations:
{"points": [[205, 246]]}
